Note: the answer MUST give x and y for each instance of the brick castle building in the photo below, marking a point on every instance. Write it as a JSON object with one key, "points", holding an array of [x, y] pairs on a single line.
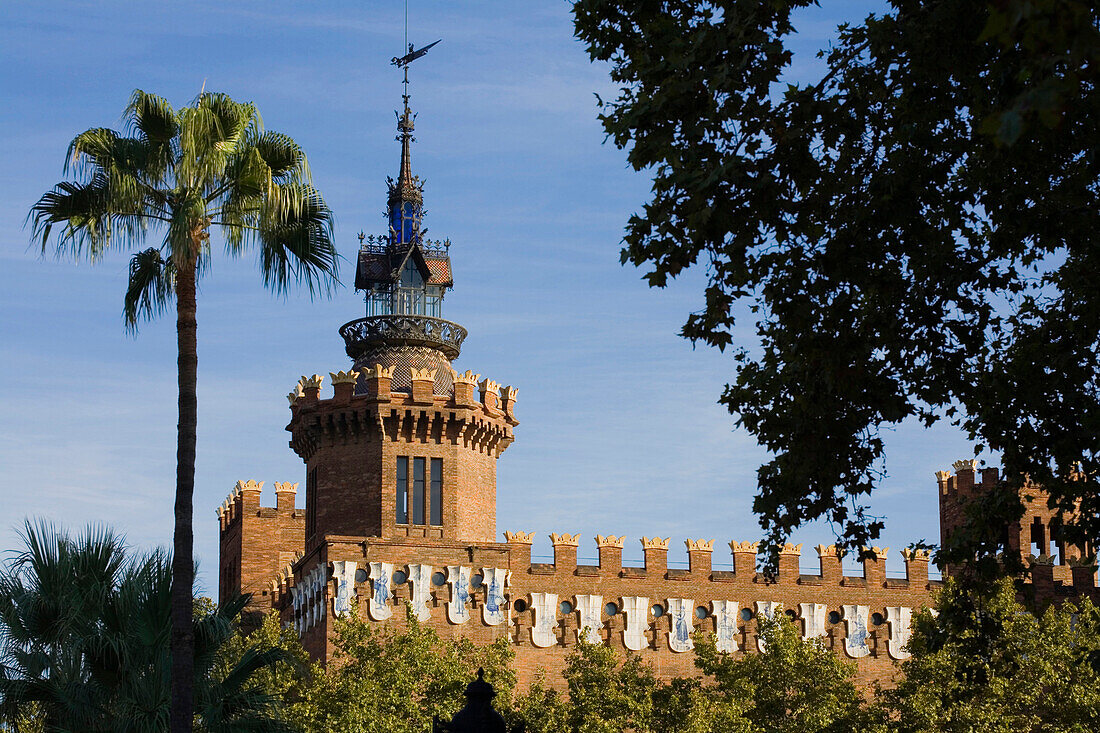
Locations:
{"points": [[400, 508]]}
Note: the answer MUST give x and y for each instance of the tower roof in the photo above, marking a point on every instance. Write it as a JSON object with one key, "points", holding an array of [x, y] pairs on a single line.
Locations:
{"points": [[381, 259], [381, 263]]}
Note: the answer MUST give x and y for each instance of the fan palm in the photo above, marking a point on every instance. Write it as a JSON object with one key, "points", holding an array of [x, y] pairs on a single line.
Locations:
{"points": [[182, 173], [84, 643]]}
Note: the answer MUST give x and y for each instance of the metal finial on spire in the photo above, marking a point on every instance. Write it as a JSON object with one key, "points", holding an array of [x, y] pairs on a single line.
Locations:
{"points": [[406, 187]]}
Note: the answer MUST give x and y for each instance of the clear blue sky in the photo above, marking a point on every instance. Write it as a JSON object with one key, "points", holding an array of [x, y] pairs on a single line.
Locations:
{"points": [[620, 430]]}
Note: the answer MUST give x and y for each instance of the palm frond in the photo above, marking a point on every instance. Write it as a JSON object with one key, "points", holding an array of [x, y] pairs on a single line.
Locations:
{"points": [[125, 161], [90, 215], [152, 119], [149, 289], [114, 197], [295, 241], [91, 149], [211, 131], [284, 157]]}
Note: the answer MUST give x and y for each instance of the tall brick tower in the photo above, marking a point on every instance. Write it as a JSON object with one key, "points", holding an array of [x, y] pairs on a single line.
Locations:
{"points": [[407, 447], [402, 455]]}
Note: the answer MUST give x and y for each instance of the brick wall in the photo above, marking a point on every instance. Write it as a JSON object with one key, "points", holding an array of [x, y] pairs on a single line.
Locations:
{"points": [[257, 542], [612, 582], [1036, 534], [353, 443], [350, 444]]}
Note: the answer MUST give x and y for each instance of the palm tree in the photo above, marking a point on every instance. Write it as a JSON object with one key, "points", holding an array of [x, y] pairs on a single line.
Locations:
{"points": [[84, 637], [182, 173]]}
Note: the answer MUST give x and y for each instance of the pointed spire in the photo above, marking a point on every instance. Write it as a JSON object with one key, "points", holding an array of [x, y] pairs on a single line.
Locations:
{"points": [[407, 187]]}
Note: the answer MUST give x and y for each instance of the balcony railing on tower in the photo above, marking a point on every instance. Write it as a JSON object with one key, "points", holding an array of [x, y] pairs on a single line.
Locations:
{"points": [[367, 334]]}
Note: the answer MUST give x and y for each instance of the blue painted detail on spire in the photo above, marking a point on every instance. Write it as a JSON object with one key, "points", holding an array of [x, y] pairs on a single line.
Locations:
{"points": [[405, 219]]}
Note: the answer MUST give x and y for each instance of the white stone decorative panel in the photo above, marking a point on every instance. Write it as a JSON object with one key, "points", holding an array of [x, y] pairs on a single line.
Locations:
{"points": [[420, 576], [343, 571], [768, 609], [493, 612], [311, 597], [725, 618], [296, 604], [636, 610], [379, 606], [899, 618], [856, 618], [545, 607], [320, 573], [590, 610], [813, 619], [301, 598], [458, 610], [680, 612]]}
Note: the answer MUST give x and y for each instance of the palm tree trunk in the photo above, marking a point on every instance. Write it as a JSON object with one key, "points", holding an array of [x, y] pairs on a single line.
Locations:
{"points": [[183, 568]]}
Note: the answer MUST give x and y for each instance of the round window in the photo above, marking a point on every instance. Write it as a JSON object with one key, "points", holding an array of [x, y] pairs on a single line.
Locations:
{"points": [[658, 610], [520, 605], [700, 612], [746, 614], [476, 581], [360, 576], [834, 617], [565, 607], [791, 614], [877, 619], [438, 579], [399, 577], [611, 609]]}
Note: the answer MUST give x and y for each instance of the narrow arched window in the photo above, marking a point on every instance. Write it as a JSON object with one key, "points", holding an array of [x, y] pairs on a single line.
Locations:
{"points": [[401, 497], [418, 491], [435, 500]]}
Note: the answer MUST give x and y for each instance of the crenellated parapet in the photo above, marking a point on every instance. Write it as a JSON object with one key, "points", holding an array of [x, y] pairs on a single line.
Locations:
{"points": [[245, 495], [742, 553], [494, 590], [256, 540], [967, 479], [486, 591], [1039, 533], [245, 500], [364, 408]]}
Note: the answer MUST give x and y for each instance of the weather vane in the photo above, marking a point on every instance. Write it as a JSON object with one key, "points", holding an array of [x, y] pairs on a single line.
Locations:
{"points": [[411, 55]]}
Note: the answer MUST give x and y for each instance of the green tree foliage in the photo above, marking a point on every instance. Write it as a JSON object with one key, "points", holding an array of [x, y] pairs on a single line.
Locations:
{"points": [[913, 234], [288, 682], [607, 694], [986, 665], [794, 685], [394, 680], [84, 644], [180, 173]]}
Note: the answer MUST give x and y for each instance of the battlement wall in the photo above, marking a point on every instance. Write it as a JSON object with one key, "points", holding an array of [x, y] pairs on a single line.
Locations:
{"points": [[700, 555], [256, 540], [967, 479], [491, 590], [1038, 534], [478, 413], [353, 442], [245, 497]]}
